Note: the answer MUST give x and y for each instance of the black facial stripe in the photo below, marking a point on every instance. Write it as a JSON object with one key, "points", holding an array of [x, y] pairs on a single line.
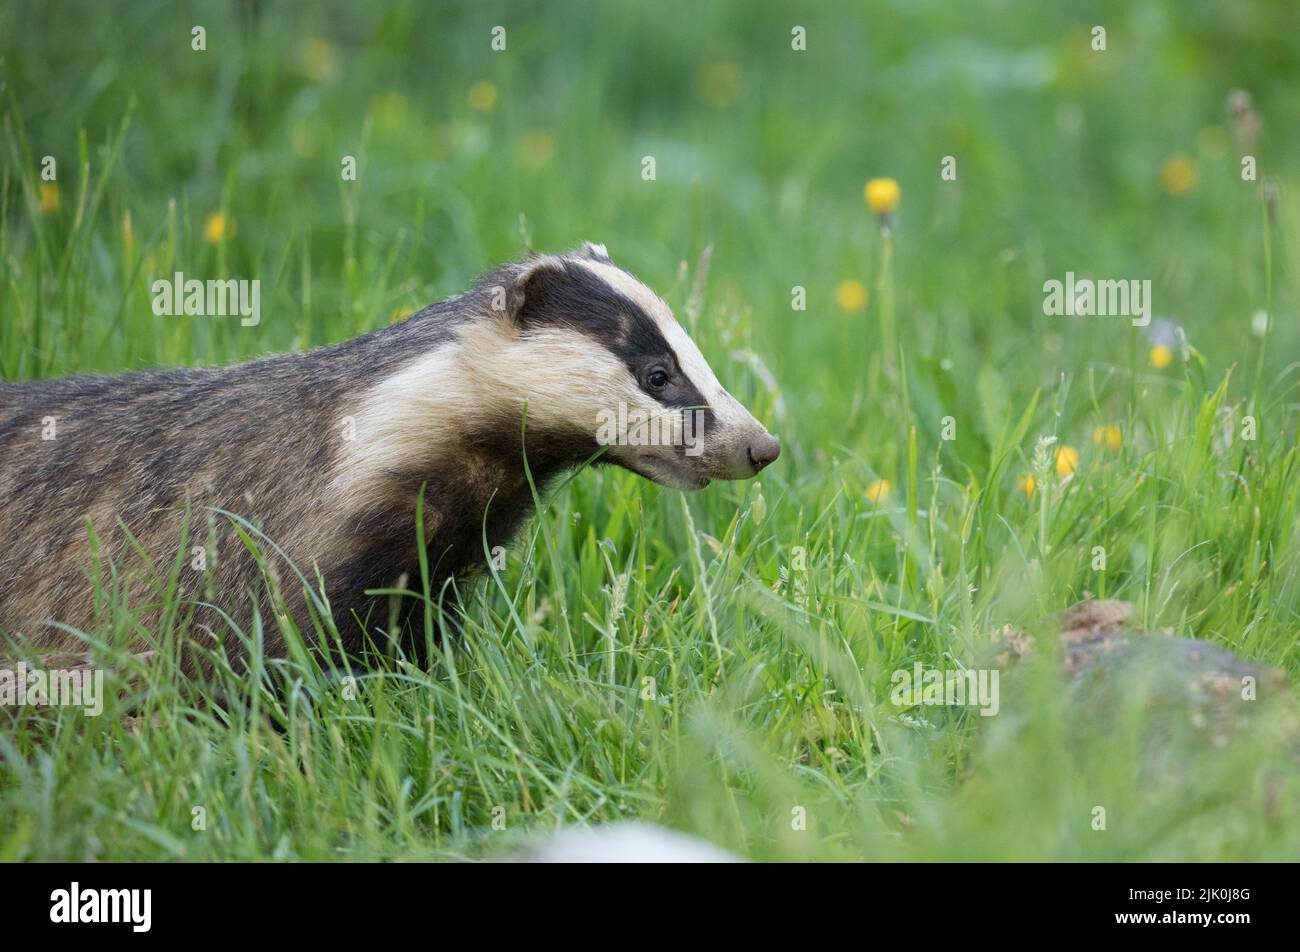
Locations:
{"points": [[579, 299]]}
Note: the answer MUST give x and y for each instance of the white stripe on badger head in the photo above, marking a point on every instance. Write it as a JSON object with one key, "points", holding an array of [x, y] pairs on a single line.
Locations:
{"points": [[727, 411], [564, 379]]}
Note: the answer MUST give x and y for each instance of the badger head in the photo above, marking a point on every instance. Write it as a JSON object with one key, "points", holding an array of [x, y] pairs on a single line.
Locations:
{"points": [[596, 362]]}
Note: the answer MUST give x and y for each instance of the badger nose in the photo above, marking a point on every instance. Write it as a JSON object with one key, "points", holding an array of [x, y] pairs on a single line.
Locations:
{"points": [[764, 450]]}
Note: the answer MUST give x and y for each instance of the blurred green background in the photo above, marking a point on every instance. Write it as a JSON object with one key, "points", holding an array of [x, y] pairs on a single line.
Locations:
{"points": [[1122, 163], [761, 151]]}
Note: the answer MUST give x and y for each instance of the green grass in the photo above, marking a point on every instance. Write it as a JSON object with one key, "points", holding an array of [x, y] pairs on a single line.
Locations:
{"points": [[640, 655]]}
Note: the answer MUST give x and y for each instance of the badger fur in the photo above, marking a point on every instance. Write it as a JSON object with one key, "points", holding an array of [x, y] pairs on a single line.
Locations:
{"points": [[325, 454]]}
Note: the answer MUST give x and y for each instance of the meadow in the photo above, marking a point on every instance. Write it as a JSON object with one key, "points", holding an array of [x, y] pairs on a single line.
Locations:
{"points": [[955, 460]]}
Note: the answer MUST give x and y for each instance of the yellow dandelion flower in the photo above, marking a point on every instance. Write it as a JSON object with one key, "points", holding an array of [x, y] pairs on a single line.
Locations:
{"points": [[1161, 356], [882, 195], [318, 59], [1026, 484], [878, 491], [851, 295], [483, 96], [1178, 175], [719, 84], [49, 195], [217, 227], [1108, 436], [1067, 461]]}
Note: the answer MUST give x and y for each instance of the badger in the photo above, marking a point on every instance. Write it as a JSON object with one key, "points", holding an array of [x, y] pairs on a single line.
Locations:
{"points": [[462, 412]]}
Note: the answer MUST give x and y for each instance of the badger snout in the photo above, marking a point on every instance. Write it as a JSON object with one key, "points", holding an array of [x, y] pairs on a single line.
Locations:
{"points": [[763, 450], [744, 455], [738, 446]]}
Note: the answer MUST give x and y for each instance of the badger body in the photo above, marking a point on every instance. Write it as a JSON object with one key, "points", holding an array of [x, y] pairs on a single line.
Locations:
{"points": [[322, 458]]}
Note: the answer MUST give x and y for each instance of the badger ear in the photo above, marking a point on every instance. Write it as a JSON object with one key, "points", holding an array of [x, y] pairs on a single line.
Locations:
{"points": [[593, 250], [525, 280]]}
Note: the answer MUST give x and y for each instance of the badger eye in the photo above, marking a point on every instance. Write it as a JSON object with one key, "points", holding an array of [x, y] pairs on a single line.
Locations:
{"points": [[657, 379]]}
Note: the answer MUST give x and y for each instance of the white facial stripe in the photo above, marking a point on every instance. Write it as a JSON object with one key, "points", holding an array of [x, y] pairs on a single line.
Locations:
{"points": [[557, 370], [632, 289], [726, 410]]}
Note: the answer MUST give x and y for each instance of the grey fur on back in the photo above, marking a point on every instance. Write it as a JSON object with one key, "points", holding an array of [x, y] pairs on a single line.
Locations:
{"points": [[257, 439]]}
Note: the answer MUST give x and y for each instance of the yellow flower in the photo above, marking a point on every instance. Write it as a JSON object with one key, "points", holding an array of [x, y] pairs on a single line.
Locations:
{"points": [[1161, 356], [882, 195], [719, 84], [1178, 175], [1026, 484], [318, 59], [217, 227], [49, 193], [1067, 461], [1109, 436], [852, 295], [483, 95], [878, 490]]}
